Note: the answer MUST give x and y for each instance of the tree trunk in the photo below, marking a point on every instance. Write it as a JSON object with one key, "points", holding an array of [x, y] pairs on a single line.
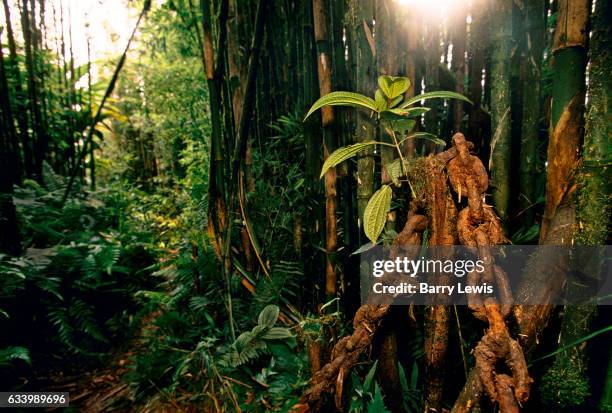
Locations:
{"points": [[410, 28], [499, 164], [535, 24], [319, 10], [92, 160], [594, 200], [21, 113], [569, 53], [479, 121], [38, 135], [216, 188], [387, 63], [538, 285], [458, 63], [432, 75], [365, 83], [592, 215], [9, 229]]}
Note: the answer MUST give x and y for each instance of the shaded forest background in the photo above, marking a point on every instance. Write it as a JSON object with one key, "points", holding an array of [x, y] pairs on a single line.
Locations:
{"points": [[165, 231]]}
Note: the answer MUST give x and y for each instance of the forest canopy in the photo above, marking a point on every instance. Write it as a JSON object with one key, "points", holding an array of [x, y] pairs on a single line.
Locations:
{"points": [[192, 190]]}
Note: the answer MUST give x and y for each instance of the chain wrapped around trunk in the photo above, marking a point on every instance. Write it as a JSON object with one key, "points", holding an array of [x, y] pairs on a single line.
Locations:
{"points": [[477, 227]]}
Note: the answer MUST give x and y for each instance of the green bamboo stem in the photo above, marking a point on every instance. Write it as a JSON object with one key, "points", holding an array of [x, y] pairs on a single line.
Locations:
{"points": [[499, 164]]}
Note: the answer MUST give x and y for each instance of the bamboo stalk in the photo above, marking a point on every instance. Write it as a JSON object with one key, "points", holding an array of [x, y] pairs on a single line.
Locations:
{"points": [[499, 163], [530, 128], [319, 11]]}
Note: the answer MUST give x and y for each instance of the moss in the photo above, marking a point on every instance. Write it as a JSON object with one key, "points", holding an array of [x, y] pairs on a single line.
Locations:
{"points": [[593, 208], [418, 173], [564, 386]]}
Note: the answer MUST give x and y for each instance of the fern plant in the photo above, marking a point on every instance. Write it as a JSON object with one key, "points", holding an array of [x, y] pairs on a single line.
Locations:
{"points": [[251, 344], [10, 354], [398, 118]]}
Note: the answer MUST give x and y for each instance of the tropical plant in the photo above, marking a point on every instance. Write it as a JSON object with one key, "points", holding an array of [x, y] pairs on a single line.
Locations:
{"points": [[397, 117], [251, 344]]}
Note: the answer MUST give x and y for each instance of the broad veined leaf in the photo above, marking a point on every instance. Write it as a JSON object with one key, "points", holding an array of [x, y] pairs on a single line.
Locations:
{"points": [[402, 125], [392, 86], [243, 339], [343, 99], [268, 315], [440, 94], [375, 213], [394, 170], [277, 333], [342, 154]]}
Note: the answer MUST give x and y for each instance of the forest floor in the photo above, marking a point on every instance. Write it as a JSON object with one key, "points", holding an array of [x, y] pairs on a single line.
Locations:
{"points": [[104, 389]]}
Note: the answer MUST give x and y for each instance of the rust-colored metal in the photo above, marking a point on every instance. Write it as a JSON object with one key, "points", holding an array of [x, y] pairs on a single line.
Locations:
{"points": [[476, 226]]}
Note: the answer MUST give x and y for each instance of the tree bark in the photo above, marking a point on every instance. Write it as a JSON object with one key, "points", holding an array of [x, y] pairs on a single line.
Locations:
{"points": [[38, 135], [535, 25], [569, 53], [319, 10], [365, 83], [217, 209], [593, 216], [479, 121], [21, 113], [539, 285], [499, 164], [458, 63], [9, 229]]}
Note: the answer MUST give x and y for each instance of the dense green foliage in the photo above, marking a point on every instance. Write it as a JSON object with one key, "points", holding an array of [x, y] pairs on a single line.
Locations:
{"points": [[188, 247]]}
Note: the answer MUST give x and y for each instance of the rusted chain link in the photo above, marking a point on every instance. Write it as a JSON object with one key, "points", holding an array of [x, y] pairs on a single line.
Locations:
{"points": [[479, 227]]}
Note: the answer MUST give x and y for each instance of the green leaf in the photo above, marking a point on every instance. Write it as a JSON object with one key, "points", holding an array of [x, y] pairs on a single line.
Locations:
{"points": [[402, 125], [440, 94], [8, 354], [377, 405], [393, 114], [416, 111], [394, 170], [343, 99], [381, 102], [268, 315], [402, 378], [259, 330], [277, 333], [367, 382], [342, 154], [414, 376], [396, 101], [375, 213], [392, 86], [363, 248]]}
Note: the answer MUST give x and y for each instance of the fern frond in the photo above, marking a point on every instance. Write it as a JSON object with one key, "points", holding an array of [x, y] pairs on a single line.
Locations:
{"points": [[12, 353]]}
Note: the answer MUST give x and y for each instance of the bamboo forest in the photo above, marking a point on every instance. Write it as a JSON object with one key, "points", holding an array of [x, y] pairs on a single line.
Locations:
{"points": [[305, 206]]}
